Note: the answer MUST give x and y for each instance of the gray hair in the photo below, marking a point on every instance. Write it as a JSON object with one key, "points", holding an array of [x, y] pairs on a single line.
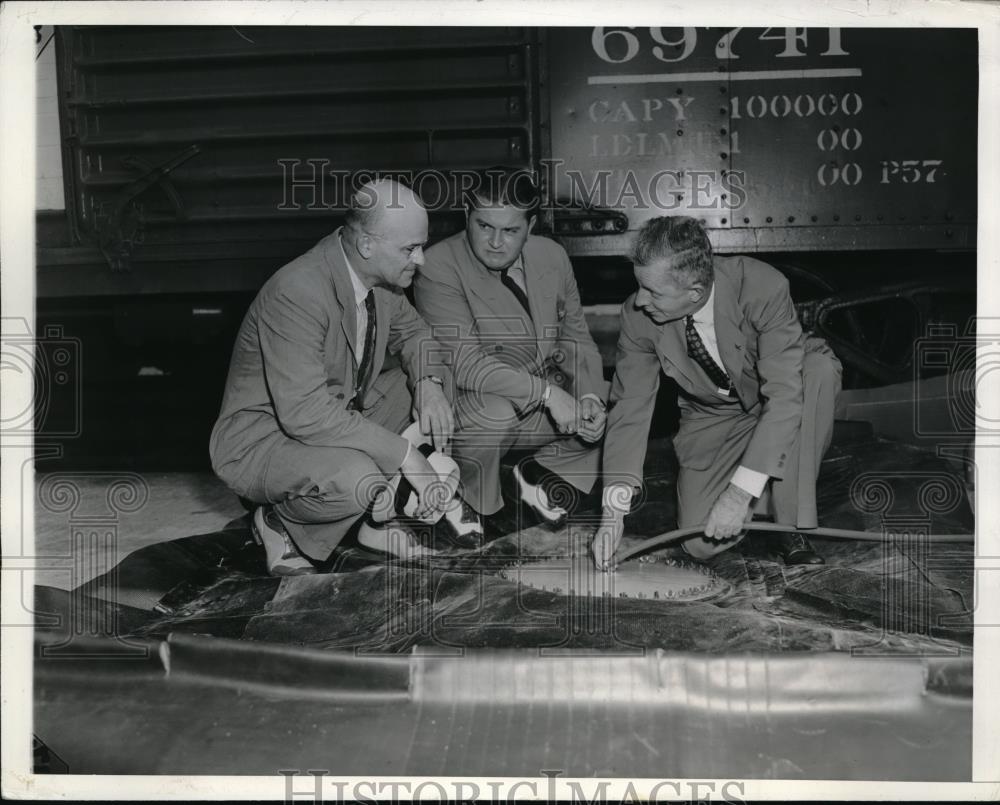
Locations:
{"points": [[681, 239]]}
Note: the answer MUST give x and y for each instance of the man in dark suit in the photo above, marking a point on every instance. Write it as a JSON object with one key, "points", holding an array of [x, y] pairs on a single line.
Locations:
{"points": [[310, 424], [527, 369], [756, 396]]}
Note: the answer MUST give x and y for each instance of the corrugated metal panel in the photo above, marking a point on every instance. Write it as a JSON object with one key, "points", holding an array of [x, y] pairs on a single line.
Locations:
{"points": [[833, 138], [263, 121]]}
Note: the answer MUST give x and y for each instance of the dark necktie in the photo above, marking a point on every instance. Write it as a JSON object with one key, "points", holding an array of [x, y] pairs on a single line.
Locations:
{"points": [[699, 354], [515, 289], [368, 355]]}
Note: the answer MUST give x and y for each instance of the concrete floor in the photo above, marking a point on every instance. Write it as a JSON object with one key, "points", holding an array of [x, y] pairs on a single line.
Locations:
{"points": [[86, 522]]}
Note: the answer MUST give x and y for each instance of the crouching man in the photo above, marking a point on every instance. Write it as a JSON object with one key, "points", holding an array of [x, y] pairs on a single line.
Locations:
{"points": [[528, 372], [756, 396], [310, 423]]}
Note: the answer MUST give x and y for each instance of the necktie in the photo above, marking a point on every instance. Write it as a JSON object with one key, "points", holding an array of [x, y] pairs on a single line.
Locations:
{"points": [[368, 355], [699, 354], [515, 289]]}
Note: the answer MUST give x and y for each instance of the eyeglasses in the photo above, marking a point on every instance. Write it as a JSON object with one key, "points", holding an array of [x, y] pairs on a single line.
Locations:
{"points": [[410, 250]]}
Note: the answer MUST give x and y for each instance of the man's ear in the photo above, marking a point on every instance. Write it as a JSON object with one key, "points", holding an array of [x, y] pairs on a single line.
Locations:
{"points": [[365, 245], [697, 291]]}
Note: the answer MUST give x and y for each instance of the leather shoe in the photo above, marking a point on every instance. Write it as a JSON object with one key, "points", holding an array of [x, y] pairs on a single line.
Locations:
{"points": [[530, 490], [464, 524], [283, 558], [795, 549]]}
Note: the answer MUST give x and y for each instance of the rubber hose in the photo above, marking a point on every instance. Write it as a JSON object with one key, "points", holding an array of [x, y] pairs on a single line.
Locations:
{"points": [[837, 533]]}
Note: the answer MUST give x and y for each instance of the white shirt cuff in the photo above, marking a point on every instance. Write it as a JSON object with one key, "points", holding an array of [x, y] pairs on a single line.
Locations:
{"points": [[617, 497], [595, 398], [750, 481]]}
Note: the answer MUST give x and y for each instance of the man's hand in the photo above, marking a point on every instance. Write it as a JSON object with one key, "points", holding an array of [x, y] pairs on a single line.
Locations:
{"points": [[563, 409], [431, 491], [433, 411], [592, 420], [607, 538], [729, 513]]}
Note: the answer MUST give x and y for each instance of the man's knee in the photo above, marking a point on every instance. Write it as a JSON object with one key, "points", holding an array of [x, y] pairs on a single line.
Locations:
{"points": [[350, 480], [822, 369], [486, 414]]}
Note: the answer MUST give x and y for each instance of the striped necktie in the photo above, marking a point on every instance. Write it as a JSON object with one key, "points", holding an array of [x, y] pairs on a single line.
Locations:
{"points": [[698, 352]]}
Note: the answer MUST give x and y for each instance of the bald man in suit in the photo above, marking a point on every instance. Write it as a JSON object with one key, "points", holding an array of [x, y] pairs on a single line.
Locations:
{"points": [[528, 372], [310, 424], [756, 395]]}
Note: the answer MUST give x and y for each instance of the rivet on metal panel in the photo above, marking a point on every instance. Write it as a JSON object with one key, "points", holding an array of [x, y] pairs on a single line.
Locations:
{"points": [[814, 218], [857, 217], [746, 220], [680, 132], [836, 217], [722, 90], [791, 219], [722, 110], [723, 220], [769, 219], [723, 132], [723, 155], [514, 147], [680, 90]]}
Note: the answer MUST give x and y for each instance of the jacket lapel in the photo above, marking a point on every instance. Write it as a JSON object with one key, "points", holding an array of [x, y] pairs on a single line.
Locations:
{"points": [[334, 254], [539, 290], [673, 348], [732, 343]]}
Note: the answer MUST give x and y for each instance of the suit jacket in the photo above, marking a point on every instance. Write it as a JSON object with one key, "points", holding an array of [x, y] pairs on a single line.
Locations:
{"points": [[499, 348], [761, 345], [295, 361]]}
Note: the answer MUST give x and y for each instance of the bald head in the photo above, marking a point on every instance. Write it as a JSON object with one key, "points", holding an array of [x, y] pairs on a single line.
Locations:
{"points": [[378, 205], [386, 229]]}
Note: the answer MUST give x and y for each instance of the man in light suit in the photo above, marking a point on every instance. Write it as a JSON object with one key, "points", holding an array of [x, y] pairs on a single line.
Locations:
{"points": [[527, 369], [756, 396], [309, 427]]}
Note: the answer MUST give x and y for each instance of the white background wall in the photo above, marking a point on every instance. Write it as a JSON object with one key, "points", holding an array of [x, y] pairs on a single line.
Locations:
{"points": [[48, 167]]}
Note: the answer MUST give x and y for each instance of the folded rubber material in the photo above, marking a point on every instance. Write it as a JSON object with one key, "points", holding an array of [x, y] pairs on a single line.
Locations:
{"points": [[896, 596]]}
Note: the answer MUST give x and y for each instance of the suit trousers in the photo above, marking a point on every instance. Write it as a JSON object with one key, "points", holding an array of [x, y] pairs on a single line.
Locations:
{"points": [[791, 500], [320, 492], [488, 428]]}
